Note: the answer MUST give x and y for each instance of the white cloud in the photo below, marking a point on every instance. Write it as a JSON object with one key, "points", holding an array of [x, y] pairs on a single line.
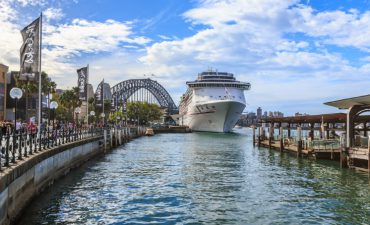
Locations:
{"points": [[280, 46], [250, 39], [53, 14]]}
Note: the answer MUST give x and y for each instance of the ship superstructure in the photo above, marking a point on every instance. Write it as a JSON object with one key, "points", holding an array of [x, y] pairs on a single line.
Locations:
{"points": [[213, 102]]}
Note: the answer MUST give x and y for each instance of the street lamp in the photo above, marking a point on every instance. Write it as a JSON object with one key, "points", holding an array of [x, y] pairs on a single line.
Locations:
{"points": [[92, 114], [77, 111], [102, 115], [16, 93], [53, 107]]}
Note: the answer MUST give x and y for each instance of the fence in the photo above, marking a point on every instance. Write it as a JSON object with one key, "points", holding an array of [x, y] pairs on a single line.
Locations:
{"points": [[16, 146]]}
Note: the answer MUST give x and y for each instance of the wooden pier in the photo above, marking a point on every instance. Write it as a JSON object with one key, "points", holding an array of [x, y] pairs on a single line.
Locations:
{"points": [[326, 144]]}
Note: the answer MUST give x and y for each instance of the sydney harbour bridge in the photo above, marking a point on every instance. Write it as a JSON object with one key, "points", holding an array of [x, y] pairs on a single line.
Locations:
{"points": [[133, 90]]}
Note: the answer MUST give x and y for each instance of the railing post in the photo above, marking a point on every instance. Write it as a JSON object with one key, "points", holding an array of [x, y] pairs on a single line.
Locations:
{"points": [[31, 141], [7, 150], [25, 144], [13, 147], [40, 134]]}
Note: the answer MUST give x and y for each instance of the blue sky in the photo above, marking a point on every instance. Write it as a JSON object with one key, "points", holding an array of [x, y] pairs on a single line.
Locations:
{"points": [[296, 54]]}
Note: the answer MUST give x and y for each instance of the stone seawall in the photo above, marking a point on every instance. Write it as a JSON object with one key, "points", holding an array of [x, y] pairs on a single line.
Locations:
{"points": [[20, 183]]}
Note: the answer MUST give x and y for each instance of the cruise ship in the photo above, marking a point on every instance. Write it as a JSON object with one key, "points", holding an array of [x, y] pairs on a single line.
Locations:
{"points": [[213, 102]]}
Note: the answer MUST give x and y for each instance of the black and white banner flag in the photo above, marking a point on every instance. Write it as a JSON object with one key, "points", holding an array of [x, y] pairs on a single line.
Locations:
{"points": [[30, 50], [82, 82]]}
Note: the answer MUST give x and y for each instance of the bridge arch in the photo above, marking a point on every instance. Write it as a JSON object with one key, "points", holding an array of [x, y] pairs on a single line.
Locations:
{"points": [[125, 89]]}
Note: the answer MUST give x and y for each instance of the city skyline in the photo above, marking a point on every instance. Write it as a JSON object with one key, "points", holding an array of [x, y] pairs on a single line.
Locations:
{"points": [[296, 54]]}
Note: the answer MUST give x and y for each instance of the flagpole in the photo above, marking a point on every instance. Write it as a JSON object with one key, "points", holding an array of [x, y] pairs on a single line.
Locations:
{"points": [[102, 90], [87, 95], [40, 99]]}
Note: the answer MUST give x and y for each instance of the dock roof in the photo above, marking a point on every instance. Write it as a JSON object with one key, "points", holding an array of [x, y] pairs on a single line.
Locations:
{"points": [[349, 102], [331, 118]]}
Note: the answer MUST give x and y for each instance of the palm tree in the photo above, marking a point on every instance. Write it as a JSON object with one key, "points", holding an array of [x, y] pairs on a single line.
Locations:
{"points": [[70, 99], [30, 87]]}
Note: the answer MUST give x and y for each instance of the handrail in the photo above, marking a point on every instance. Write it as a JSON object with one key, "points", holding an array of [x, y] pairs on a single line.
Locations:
{"points": [[18, 145]]}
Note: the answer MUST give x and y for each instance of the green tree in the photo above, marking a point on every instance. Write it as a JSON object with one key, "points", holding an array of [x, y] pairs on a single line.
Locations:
{"points": [[70, 100], [143, 111], [30, 87]]}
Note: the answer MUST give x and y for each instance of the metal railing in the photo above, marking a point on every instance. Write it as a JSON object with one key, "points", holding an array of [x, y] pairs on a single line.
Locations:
{"points": [[324, 144], [18, 145]]}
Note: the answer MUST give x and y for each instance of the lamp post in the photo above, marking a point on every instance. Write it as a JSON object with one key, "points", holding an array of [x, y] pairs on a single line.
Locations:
{"points": [[77, 111], [102, 115], [16, 93], [92, 114], [53, 107]]}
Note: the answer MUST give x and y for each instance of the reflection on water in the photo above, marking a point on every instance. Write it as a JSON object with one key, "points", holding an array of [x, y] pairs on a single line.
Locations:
{"points": [[203, 178]]}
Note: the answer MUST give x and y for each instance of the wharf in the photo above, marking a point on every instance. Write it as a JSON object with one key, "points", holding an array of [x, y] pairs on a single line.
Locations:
{"points": [[326, 145], [172, 129]]}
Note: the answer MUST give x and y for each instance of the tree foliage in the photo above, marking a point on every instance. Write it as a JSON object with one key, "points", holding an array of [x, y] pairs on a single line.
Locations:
{"points": [[30, 87], [69, 100], [143, 111]]}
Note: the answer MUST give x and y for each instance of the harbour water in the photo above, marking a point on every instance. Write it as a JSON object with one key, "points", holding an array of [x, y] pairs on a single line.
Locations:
{"points": [[203, 178]]}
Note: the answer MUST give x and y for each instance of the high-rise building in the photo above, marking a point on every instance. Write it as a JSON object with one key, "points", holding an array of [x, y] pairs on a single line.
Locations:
{"points": [[265, 114], [259, 113]]}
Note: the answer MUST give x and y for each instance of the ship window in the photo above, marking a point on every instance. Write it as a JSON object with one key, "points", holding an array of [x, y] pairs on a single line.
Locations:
{"points": [[213, 106], [219, 96]]}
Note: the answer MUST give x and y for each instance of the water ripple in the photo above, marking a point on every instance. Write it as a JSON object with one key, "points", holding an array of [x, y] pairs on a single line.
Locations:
{"points": [[203, 178]]}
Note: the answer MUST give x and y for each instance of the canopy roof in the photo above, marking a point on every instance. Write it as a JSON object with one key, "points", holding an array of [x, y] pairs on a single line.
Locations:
{"points": [[349, 102], [335, 118], [326, 118]]}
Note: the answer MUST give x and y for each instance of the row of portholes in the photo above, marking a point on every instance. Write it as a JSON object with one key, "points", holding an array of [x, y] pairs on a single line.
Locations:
{"points": [[224, 97], [206, 107]]}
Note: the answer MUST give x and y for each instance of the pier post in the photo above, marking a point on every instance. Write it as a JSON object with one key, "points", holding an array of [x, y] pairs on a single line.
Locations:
{"points": [[299, 144], [254, 135], [271, 134], [343, 150], [289, 130], [259, 136], [312, 135], [281, 136]]}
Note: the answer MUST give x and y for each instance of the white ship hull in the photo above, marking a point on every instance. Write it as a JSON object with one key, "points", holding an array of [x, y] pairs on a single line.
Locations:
{"points": [[221, 119], [214, 102]]}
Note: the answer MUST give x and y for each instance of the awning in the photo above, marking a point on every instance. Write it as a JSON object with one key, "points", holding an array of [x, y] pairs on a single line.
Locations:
{"points": [[349, 102]]}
